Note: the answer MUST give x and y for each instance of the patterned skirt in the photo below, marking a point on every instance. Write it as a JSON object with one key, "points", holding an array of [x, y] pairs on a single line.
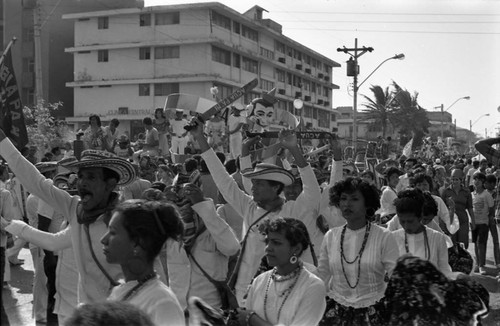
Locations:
{"points": [[339, 315], [419, 294]]}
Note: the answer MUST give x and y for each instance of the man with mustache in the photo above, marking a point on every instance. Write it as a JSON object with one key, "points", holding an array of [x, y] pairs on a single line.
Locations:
{"points": [[88, 212]]}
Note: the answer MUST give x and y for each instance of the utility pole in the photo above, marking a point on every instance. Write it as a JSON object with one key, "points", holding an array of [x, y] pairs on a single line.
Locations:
{"points": [[353, 71], [442, 118], [37, 26]]}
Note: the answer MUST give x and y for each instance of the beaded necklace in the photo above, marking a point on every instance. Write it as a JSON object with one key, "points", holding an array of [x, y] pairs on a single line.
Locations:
{"points": [[357, 258], [139, 286], [295, 274], [426, 245]]}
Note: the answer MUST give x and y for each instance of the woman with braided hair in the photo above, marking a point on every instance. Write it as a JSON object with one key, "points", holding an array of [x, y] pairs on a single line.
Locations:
{"points": [[288, 294], [356, 257]]}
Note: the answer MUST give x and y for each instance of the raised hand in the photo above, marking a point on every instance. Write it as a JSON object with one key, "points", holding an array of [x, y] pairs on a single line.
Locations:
{"points": [[287, 138]]}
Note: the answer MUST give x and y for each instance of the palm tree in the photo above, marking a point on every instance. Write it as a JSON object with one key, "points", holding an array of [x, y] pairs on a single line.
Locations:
{"points": [[380, 109], [410, 117]]}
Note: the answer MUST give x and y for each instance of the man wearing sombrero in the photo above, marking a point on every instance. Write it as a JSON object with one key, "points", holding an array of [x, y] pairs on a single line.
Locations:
{"points": [[88, 212], [268, 181]]}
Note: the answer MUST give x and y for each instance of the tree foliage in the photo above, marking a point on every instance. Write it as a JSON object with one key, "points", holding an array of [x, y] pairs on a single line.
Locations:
{"points": [[44, 130], [410, 118], [380, 109]]}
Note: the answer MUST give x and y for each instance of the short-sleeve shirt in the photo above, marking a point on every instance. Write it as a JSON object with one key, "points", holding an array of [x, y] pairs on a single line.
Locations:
{"points": [[482, 202]]}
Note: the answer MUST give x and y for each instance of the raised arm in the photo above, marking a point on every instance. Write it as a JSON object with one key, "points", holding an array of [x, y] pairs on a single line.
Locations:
{"points": [[485, 147]]}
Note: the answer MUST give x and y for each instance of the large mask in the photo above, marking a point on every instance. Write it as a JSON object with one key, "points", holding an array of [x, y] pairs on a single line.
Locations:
{"points": [[262, 114]]}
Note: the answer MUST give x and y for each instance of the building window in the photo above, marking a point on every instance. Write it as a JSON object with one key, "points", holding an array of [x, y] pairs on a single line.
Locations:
{"points": [[307, 85], [318, 88], [307, 112], [167, 18], [145, 53], [280, 75], [297, 81], [221, 56], [102, 56], [297, 54], [164, 89], [167, 52], [323, 119], [313, 89], [145, 20], [289, 51], [28, 96], [102, 22], [289, 78], [221, 20], [224, 91], [249, 33], [266, 84], [325, 91], [28, 65], [144, 89], [248, 97], [280, 47], [249, 65], [236, 27], [334, 117], [28, 34], [266, 53], [307, 59], [236, 60]]}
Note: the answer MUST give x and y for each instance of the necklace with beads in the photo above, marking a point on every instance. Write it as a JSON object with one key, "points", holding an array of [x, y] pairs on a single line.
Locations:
{"points": [[358, 256], [426, 245], [286, 293], [140, 284]]}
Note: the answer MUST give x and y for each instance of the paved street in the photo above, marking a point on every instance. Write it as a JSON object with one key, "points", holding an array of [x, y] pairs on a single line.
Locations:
{"points": [[17, 298]]}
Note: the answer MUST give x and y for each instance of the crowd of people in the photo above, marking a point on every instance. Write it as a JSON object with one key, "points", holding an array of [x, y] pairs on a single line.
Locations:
{"points": [[303, 240]]}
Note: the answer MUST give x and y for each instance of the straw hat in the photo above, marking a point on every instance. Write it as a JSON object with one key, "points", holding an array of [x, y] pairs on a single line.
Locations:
{"points": [[92, 158], [265, 171]]}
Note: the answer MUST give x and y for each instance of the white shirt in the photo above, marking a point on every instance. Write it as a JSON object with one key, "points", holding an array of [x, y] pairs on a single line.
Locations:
{"points": [[304, 306], [379, 257], [417, 247], [211, 250], [387, 201], [155, 299]]}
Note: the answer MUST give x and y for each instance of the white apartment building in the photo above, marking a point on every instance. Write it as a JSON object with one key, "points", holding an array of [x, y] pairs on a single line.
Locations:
{"points": [[126, 61]]}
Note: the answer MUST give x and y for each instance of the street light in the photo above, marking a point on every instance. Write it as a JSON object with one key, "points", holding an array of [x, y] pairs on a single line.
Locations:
{"points": [[471, 124], [443, 111], [353, 70]]}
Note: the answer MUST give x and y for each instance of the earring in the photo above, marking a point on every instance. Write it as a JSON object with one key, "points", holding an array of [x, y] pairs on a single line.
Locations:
{"points": [[293, 259]]}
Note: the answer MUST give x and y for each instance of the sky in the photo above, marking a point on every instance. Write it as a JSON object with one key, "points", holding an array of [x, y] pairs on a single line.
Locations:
{"points": [[452, 48]]}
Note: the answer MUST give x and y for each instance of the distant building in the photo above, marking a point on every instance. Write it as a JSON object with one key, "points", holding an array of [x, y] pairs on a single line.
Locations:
{"points": [[127, 61], [17, 19]]}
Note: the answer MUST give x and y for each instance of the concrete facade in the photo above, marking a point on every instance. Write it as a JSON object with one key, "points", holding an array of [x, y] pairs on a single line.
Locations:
{"points": [[120, 54], [18, 20]]}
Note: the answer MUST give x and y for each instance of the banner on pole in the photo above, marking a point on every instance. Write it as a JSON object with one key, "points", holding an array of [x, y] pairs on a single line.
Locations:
{"points": [[11, 108]]}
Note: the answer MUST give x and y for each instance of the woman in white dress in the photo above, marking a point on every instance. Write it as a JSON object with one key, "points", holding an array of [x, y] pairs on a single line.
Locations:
{"points": [[356, 257], [288, 294], [136, 234]]}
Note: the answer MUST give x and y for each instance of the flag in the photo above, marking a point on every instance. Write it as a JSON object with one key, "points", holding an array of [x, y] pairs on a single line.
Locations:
{"points": [[407, 149], [11, 108]]}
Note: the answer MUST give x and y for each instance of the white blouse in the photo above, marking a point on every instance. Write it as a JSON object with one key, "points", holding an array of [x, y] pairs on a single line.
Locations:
{"points": [[155, 299], [438, 249], [379, 257], [304, 306]]}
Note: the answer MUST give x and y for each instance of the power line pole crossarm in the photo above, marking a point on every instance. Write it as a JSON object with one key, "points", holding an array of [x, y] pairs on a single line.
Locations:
{"points": [[353, 70]]}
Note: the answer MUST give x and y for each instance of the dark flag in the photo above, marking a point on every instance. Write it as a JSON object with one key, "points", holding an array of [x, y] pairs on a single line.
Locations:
{"points": [[11, 108]]}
